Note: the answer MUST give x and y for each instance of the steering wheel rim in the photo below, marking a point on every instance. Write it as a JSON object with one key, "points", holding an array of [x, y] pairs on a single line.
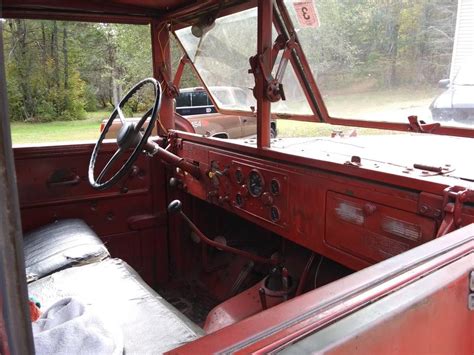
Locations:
{"points": [[128, 136]]}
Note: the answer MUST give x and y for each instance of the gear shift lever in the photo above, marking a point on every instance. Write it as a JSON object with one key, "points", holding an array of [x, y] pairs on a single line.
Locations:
{"points": [[175, 207]]}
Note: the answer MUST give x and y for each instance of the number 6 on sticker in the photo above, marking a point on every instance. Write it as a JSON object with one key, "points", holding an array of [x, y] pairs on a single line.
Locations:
{"points": [[306, 14]]}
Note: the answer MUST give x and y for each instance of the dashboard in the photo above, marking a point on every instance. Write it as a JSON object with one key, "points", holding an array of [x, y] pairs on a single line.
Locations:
{"points": [[354, 221]]}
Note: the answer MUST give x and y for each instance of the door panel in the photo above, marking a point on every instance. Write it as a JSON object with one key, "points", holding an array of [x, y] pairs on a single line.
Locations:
{"points": [[130, 217]]}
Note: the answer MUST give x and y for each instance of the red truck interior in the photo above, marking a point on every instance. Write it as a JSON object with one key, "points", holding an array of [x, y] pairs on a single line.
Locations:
{"points": [[333, 254]]}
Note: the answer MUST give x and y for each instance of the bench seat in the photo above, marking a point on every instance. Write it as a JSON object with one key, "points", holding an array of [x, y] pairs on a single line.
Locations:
{"points": [[149, 323], [60, 245]]}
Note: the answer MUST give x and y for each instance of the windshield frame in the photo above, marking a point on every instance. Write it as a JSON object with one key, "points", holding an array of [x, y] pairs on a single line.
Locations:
{"points": [[283, 24]]}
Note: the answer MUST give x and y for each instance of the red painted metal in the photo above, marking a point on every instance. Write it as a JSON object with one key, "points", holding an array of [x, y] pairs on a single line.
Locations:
{"points": [[160, 38], [179, 71], [336, 205], [205, 240], [247, 303], [437, 320], [384, 173], [264, 52], [392, 219], [112, 214], [315, 310], [183, 124]]}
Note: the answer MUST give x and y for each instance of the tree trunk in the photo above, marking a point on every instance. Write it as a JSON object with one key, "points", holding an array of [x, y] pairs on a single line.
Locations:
{"points": [[393, 29], [24, 68], [66, 57], [54, 53]]}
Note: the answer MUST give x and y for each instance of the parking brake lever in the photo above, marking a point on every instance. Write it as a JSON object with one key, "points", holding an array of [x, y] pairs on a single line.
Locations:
{"points": [[175, 207]]}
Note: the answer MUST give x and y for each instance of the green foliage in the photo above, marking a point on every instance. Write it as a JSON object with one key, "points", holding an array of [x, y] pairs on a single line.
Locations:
{"points": [[388, 43], [61, 70], [43, 82]]}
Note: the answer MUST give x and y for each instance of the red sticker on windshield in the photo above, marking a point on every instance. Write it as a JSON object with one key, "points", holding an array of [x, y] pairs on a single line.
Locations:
{"points": [[306, 14]]}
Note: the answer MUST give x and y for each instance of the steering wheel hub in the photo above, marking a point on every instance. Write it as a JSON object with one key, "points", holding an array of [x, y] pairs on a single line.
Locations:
{"points": [[128, 136]]}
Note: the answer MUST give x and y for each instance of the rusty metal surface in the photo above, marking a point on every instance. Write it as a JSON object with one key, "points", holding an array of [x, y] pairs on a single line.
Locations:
{"points": [[394, 217], [111, 214], [428, 316], [13, 292], [316, 309], [264, 46]]}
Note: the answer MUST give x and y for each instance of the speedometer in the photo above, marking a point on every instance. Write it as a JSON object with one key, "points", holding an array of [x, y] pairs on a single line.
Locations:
{"points": [[255, 183]]}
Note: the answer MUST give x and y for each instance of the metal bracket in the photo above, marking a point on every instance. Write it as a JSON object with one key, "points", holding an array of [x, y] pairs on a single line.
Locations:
{"points": [[453, 202], [273, 84], [169, 88], [420, 126]]}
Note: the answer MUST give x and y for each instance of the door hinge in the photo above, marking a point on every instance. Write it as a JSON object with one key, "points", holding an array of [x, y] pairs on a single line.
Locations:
{"points": [[470, 300]]}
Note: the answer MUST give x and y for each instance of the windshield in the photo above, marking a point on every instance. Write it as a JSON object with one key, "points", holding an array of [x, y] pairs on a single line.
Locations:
{"points": [[221, 57], [382, 60], [372, 60]]}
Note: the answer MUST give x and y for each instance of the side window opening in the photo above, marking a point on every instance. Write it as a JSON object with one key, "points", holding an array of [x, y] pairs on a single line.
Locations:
{"points": [[63, 78]]}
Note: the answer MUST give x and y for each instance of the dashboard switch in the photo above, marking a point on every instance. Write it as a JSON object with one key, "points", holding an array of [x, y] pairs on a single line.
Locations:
{"points": [[267, 199]]}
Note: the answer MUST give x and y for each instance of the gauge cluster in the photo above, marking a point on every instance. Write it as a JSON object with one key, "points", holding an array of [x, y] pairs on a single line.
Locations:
{"points": [[248, 188]]}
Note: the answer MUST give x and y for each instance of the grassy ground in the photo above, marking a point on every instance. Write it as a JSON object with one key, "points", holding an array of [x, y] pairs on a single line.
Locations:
{"points": [[61, 131], [289, 128], [395, 104]]}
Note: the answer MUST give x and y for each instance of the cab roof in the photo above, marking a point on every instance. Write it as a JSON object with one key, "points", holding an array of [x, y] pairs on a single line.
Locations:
{"points": [[108, 9]]}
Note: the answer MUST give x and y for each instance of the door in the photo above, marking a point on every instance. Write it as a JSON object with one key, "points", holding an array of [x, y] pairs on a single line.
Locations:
{"points": [[130, 217]]}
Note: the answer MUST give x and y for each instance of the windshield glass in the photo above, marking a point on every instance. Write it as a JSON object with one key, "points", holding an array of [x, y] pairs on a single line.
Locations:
{"points": [[382, 60], [222, 55]]}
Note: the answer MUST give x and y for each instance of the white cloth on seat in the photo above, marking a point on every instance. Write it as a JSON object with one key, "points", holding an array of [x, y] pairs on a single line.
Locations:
{"points": [[69, 327]]}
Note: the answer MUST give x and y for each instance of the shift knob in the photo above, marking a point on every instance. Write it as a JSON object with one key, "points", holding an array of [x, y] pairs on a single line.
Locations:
{"points": [[175, 206]]}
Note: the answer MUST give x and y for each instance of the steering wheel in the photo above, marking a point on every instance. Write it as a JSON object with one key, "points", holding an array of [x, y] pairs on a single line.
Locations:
{"points": [[129, 137]]}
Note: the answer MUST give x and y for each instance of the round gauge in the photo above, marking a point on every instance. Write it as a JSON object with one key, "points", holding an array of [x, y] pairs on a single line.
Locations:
{"points": [[239, 200], [275, 214], [239, 176], [255, 183], [275, 187]]}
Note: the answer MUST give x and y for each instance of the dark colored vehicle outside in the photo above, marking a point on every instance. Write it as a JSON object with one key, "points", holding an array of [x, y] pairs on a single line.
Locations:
{"points": [[196, 106], [457, 102], [183, 244]]}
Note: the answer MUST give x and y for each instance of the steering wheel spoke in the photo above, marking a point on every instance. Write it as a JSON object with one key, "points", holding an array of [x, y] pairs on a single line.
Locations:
{"points": [[143, 119], [131, 138], [109, 164], [120, 114]]}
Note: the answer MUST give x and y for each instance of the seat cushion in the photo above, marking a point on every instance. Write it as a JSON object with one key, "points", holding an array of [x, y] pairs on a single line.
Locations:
{"points": [[60, 245], [149, 323]]}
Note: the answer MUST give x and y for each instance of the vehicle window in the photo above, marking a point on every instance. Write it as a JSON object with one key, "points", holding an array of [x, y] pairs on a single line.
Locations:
{"points": [[63, 78], [199, 98], [243, 98], [183, 100], [382, 60], [222, 97], [222, 58]]}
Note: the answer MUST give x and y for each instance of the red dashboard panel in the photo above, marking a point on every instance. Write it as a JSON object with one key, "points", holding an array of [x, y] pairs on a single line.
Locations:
{"points": [[372, 231], [353, 221]]}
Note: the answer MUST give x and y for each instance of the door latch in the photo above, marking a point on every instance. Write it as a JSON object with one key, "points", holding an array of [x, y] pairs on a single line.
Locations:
{"points": [[453, 202]]}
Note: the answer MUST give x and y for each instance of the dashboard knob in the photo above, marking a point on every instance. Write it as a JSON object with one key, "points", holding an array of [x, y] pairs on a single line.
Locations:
{"points": [[173, 182], [223, 199], [267, 199], [175, 207]]}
